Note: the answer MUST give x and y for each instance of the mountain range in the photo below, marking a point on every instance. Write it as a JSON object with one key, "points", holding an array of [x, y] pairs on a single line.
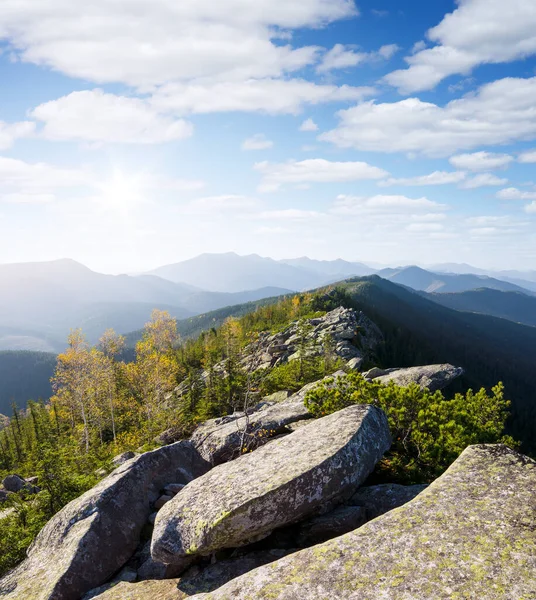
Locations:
{"points": [[40, 302], [417, 330]]}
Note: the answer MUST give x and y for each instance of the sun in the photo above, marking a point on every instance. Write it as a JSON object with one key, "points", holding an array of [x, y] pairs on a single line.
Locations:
{"points": [[121, 193]]}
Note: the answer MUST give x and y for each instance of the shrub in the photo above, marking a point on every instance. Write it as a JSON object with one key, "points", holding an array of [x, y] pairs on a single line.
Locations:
{"points": [[429, 431]]}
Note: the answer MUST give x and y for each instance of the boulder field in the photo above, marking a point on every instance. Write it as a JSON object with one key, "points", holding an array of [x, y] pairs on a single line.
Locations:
{"points": [[282, 482], [273, 504], [471, 534]]}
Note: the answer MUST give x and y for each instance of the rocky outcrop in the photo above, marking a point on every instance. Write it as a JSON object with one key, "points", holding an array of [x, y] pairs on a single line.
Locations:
{"points": [[281, 483], [84, 544], [192, 582], [470, 534], [224, 439], [352, 335], [376, 500], [433, 377]]}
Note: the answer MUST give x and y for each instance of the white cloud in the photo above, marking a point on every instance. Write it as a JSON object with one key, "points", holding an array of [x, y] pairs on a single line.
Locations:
{"points": [[477, 32], [527, 157], [315, 170], [424, 227], [9, 132], [221, 204], [496, 221], [257, 142], [531, 208], [141, 42], [271, 96], [308, 125], [481, 161], [435, 178], [482, 180], [289, 214], [38, 177], [396, 204], [418, 46], [342, 57], [513, 193], [94, 116], [500, 112]]}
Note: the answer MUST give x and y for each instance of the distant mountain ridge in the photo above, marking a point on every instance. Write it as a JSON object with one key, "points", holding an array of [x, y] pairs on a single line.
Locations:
{"points": [[41, 302], [427, 281]]}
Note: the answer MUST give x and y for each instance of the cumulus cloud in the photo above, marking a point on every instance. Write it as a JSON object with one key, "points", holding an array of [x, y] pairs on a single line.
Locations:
{"points": [[481, 161], [315, 170], [435, 178], [95, 116], [513, 193], [143, 43], [500, 112], [270, 96], [257, 142], [531, 208], [9, 132], [395, 204], [482, 180], [527, 157], [308, 125], [342, 57], [477, 32], [36, 183]]}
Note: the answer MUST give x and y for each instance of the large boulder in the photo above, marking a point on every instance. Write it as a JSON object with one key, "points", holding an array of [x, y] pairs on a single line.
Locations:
{"points": [[282, 482], [471, 534], [84, 544], [433, 377], [225, 438], [221, 440], [379, 499]]}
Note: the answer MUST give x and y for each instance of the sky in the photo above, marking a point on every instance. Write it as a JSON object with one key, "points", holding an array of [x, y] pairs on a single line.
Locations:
{"points": [[137, 133]]}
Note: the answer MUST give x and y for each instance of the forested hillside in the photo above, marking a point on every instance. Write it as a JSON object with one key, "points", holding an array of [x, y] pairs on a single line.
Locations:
{"points": [[514, 306], [24, 376], [490, 349]]}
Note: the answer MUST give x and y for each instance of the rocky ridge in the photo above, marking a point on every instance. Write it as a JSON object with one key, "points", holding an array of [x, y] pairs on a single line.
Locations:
{"points": [[271, 485]]}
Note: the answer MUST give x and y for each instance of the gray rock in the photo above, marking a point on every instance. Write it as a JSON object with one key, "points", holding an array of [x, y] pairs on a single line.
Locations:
{"points": [[332, 524], [161, 501], [281, 483], [15, 483], [152, 569], [433, 377], [122, 458], [220, 442], [172, 489], [277, 396], [471, 534], [194, 581], [379, 499], [355, 363], [92, 537]]}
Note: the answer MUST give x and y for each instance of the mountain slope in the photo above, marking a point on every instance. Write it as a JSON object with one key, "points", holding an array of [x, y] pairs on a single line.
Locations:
{"points": [[24, 376], [231, 273], [334, 269], [41, 302], [490, 349], [513, 306], [426, 281]]}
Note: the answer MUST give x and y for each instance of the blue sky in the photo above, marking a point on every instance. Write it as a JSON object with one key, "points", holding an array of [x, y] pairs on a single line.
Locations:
{"points": [[144, 132]]}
